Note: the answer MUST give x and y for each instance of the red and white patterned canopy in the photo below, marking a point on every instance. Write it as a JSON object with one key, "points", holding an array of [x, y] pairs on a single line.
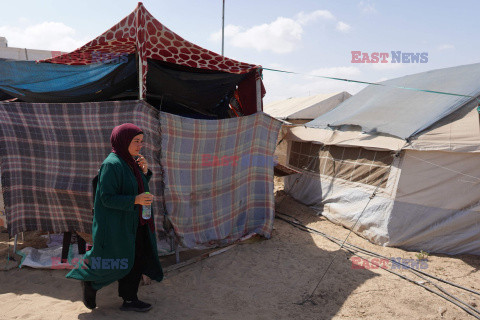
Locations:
{"points": [[140, 32]]}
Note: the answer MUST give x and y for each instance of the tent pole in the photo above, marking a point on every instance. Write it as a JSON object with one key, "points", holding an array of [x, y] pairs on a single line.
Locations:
{"points": [[223, 24], [15, 244], [177, 253], [140, 79], [259, 91]]}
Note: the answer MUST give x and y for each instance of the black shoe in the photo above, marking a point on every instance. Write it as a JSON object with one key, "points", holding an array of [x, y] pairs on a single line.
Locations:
{"points": [[89, 295], [135, 305]]}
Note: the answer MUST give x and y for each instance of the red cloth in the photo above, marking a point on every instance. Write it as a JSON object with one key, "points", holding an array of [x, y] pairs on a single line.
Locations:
{"points": [[120, 139], [141, 33], [247, 93]]}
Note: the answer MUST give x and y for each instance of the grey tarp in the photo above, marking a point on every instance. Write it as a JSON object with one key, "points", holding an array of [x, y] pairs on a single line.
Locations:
{"points": [[401, 112]]}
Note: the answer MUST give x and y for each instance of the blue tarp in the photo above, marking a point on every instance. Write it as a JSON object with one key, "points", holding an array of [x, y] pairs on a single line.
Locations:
{"points": [[47, 77], [403, 113]]}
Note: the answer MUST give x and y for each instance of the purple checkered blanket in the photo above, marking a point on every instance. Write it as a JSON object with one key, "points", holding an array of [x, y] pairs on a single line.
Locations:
{"points": [[218, 175], [51, 152]]}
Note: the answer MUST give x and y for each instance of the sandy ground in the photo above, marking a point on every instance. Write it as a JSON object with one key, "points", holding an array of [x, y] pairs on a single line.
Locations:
{"points": [[263, 279]]}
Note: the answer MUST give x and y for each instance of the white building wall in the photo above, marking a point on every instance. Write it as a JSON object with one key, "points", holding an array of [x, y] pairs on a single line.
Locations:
{"points": [[12, 53]]}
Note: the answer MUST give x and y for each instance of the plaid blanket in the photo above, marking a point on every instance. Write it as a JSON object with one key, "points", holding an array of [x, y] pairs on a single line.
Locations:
{"points": [[51, 152], [3, 218], [218, 177]]}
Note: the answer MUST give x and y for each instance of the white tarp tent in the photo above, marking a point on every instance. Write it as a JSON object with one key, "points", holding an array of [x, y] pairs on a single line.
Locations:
{"points": [[305, 108], [419, 155]]}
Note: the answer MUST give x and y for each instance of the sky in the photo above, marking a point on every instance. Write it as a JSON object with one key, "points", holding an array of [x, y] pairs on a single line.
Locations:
{"points": [[310, 37]]}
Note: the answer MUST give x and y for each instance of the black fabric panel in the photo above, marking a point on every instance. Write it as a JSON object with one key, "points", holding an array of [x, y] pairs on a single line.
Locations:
{"points": [[4, 96], [122, 81], [190, 92]]}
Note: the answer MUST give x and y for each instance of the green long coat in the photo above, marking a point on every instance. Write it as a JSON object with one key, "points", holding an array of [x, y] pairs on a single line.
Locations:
{"points": [[114, 229]]}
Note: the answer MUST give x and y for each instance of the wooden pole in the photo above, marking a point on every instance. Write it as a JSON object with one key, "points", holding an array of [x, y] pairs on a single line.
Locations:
{"points": [[259, 91]]}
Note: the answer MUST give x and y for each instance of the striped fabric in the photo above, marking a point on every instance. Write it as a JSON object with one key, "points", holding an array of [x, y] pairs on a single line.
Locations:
{"points": [[50, 153], [218, 177], [3, 217], [218, 174]]}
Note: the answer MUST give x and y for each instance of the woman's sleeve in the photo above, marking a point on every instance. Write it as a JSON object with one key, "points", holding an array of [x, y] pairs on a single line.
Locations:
{"points": [[148, 175], [110, 186]]}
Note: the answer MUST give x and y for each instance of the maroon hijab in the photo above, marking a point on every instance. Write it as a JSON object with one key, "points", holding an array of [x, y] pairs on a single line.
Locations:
{"points": [[120, 139]]}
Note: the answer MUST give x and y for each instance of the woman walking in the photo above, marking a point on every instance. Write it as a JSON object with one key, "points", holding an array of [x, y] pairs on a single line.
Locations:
{"points": [[124, 243]]}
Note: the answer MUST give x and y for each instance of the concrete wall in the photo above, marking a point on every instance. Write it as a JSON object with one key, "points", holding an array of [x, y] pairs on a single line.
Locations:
{"points": [[24, 54], [11, 53]]}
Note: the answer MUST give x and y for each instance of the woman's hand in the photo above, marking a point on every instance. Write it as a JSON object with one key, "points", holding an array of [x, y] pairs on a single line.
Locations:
{"points": [[142, 163], [145, 199]]}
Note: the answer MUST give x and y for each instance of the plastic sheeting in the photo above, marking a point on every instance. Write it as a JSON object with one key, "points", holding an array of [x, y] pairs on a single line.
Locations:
{"points": [[45, 77], [45, 82], [458, 132], [401, 112], [49, 258]]}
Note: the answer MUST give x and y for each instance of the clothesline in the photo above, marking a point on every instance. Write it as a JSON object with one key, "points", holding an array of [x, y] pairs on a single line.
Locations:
{"points": [[379, 84]]}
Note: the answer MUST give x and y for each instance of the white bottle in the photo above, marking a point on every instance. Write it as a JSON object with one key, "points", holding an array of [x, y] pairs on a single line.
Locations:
{"points": [[146, 211]]}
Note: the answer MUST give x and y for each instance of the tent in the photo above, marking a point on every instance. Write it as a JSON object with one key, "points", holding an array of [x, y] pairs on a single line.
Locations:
{"points": [[304, 109], [194, 105], [146, 61], [398, 166], [300, 110]]}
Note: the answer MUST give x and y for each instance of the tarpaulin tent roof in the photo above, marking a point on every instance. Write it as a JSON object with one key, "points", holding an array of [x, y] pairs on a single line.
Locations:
{"points": [[141, 33], [179, 91], [45, 82], [342, 166], [401, 112], [305, 107]]}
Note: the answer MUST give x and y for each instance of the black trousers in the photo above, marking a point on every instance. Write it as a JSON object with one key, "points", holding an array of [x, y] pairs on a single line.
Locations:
{"points": [[128, 285]]}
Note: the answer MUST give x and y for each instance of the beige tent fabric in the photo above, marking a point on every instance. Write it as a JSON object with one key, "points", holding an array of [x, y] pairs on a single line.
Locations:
{"points": [[459, 132], [342, 201], [442, 180], [350, 164], [431, 200], [351, 138], [437, 204], [305, 107]]}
